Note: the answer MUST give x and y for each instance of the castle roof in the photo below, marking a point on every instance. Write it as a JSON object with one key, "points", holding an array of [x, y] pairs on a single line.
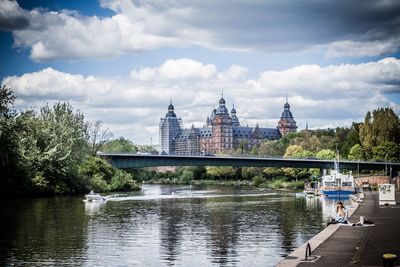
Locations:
{"points": [[247, 132]]}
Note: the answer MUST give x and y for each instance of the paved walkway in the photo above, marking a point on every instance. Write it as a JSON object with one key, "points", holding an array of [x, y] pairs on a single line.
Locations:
{"points": [[356, 246]]}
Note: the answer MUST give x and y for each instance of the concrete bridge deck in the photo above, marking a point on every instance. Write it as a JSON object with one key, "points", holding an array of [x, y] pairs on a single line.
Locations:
{"points": [[125, 161]]}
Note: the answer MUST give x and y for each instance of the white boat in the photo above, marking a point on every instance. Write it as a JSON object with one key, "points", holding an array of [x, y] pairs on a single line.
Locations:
{"points": [[309, 192], [337, 184], [92, 196]]}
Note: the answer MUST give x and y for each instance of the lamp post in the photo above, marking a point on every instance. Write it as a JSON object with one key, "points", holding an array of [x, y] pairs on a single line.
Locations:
{"points": [[386, 164]]}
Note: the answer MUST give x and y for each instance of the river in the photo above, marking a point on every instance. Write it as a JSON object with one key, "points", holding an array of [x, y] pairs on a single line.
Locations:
{"points": [[160, 226]]}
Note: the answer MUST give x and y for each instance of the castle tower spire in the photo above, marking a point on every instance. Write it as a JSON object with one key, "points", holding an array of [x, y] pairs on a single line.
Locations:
{"points": [[287, 123]]}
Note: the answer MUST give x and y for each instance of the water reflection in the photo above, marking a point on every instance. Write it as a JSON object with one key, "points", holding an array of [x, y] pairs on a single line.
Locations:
{"points": [[43, 232], [162, 225], [93, 207], [171, 216]]}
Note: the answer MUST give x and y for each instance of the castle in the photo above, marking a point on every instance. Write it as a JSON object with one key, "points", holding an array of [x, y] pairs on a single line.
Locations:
{"points": [[222, 132]]}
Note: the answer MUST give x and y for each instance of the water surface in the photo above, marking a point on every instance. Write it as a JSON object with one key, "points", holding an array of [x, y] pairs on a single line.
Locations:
{"points": [[161, 226]]}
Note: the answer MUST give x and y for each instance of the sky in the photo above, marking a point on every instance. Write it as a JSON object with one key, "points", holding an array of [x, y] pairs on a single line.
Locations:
{"points": [[122, 61]]}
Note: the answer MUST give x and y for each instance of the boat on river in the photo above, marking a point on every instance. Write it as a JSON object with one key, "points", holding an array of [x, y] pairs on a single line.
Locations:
{"points": [[92, 196], [309, 192], [337, 184]]}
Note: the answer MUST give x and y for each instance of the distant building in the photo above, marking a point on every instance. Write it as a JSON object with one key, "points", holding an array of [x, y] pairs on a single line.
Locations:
{"points": [[222, 132], [169, 128], [287, 123]]}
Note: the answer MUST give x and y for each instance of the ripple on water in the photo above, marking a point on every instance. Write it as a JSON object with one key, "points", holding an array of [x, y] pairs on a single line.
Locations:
{"points": [[215, 226]]}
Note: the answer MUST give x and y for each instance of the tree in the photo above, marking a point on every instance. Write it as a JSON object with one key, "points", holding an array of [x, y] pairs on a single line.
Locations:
{"points": [[387, 151], [12, 178], [385, 126], [325, 154], [7, 99], [292, 151], [52, 147], [97, 136], [221, 172], [120, 145], [271, 148], [380, 127], [248, 173], [344, 139], [356, 153], [271, 172]]}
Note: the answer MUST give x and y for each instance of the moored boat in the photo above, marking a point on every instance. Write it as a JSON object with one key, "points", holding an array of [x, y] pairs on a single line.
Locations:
{"points": [[337, 184]]}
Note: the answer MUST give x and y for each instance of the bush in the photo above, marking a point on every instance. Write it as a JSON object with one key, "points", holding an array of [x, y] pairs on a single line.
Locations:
{"points": [[187, 176], [104, 177], [257, 180]]}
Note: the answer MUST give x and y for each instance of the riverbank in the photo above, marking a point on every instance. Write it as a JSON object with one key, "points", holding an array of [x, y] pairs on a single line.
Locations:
{"points": [[258, 181], [344, 245]]}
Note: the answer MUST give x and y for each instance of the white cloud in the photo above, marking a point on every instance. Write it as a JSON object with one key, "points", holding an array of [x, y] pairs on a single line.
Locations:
{"points": [[333, 95], [69, 35], [180, 69], [269, 26], [52, 84], [234, 72]]}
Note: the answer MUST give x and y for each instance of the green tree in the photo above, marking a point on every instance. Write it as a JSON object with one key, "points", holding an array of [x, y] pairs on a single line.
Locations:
{"points": [[53, 146], [271, 172], [248, 173], [366, 135], [102, 177], [12, 173], [387, 151], [271, 148], [325, 154], [7, 99], [221, 172], [119, 145], [292, 151], [297, 152], [356, 153], [380, 127]]}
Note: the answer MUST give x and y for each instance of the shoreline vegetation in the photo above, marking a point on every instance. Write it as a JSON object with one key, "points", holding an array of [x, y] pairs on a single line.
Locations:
{"points": [[278, 183], [52, 150]]}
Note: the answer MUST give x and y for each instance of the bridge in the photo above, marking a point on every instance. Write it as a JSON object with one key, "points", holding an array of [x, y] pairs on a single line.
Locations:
{"points": [[129, 161]]}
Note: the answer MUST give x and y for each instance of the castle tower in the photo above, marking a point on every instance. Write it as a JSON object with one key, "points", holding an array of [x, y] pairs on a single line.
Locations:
{"points": [[170, 125], [286, 124], [222, 136], [235, 120]]}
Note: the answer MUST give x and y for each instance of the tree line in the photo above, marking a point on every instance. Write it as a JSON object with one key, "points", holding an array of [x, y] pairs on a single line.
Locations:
{"points": [[53, 151], [375, 139]]}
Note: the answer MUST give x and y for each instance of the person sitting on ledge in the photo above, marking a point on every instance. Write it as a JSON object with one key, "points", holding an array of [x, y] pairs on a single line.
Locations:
{"points": [[341, 214]]}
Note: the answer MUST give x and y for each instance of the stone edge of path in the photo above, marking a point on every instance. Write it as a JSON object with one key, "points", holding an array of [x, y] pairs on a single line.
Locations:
{"points": [[298, 255]]}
